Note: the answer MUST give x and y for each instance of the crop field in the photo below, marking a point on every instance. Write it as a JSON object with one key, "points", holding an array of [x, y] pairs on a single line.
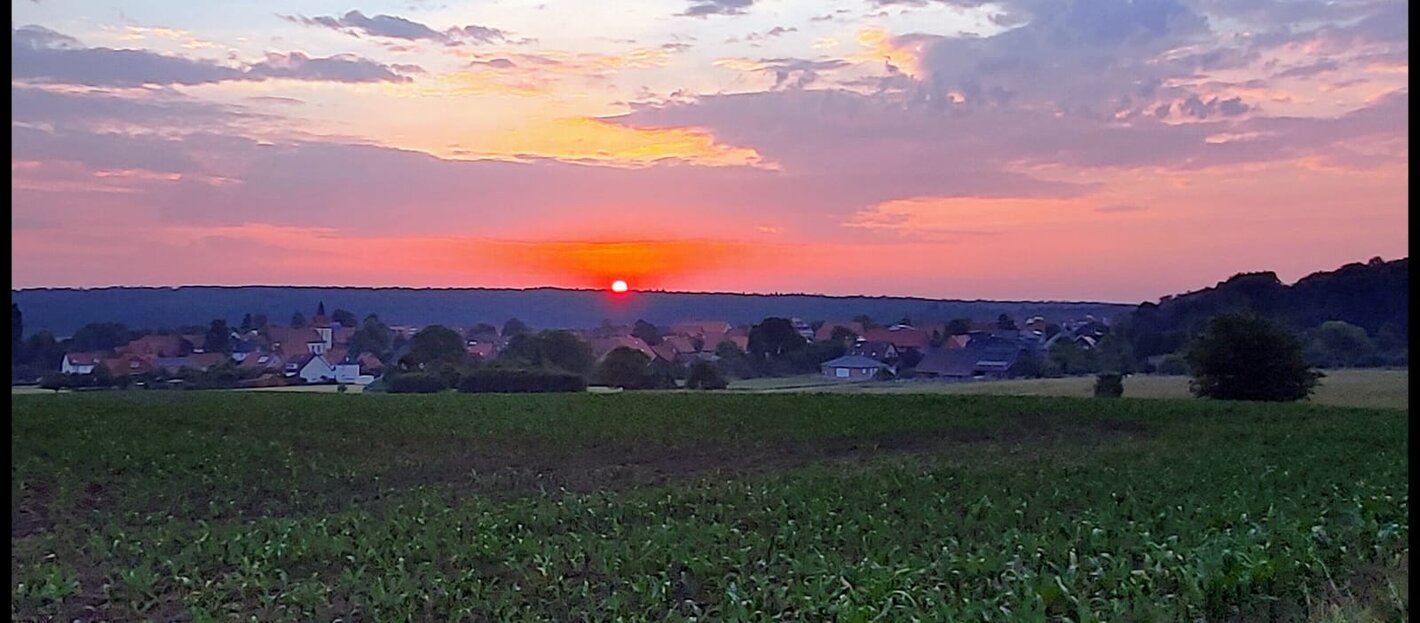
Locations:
{"points": [[1375, 388], [259, 506]]}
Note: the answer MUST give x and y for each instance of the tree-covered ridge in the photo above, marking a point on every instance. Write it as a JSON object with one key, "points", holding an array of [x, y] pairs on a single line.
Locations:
{"points": [[1373, 296]]}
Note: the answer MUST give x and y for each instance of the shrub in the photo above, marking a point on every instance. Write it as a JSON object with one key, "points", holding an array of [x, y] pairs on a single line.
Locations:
{"points": [[1109, 386], [520, 381], [1173, 364], [1246, 357], [705, 375], [416, 383]]}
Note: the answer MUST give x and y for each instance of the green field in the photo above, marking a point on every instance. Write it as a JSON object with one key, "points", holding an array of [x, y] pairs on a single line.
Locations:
{"points": [[260, 506], [1346, 388]]}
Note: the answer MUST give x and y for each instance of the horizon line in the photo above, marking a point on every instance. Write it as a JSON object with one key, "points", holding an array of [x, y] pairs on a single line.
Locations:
{"points": [[573, 289]]}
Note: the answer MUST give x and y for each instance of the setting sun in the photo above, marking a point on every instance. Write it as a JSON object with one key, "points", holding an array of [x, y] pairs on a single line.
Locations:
{"points": [[618, 286]]}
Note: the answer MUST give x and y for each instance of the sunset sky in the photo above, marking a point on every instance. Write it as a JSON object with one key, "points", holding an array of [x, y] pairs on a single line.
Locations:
{"points": [[1020, 149]]}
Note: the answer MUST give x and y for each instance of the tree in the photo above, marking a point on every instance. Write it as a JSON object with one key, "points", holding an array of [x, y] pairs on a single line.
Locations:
{"points": [[43, 352], [1028, 365], [298, 320], [647, 332], [562, 349], [437, 343], [1109, 385], [1173, 364], [548, 349], [624, 367], [842, 335], [1247, 357], [372, 337], [17, 334], [343, 318], [909, 358], [246, 323], [705, 375], [218, 338], [865, 320], [514, 327], [1005, 323], [1345, 344], [733, 360], [258, 321], [958, 326], [773, 337], [97, 336], [1069, 358]]}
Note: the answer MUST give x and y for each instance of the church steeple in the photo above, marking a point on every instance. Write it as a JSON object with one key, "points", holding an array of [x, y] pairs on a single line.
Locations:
{"points": [[320, 320]]}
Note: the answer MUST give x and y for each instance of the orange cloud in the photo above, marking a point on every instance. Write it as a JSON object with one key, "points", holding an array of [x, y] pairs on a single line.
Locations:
{"points": [[591, 139], [905, 55]]}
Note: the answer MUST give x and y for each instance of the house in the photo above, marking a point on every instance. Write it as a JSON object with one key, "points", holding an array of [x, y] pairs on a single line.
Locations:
{"points": [[480, 350], [901, 336], [825, 331], [157, 346], [956, 341], [602, 346], [262, 361], [128, 365], [701, 328], [851, 368], [78, 363], [802, 328], [985, 358], [314, 368], [885, 352]]}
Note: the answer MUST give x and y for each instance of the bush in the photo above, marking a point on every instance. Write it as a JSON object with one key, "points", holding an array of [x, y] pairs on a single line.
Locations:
{"points": [[1246, 357], [416, 383], [704, 375], [520, 381], [1173, 364], [1109, 386]]}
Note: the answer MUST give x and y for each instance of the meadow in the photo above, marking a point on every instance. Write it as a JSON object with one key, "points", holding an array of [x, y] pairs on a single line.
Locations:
{"points": [[1374, 388], [252, 506]]}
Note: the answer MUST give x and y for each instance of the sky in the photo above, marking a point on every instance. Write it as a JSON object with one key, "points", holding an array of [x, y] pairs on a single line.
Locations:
{"points": [[1108, 150]]}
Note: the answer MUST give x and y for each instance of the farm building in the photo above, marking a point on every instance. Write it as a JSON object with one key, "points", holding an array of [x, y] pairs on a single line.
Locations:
{"points": [[851, 368]]}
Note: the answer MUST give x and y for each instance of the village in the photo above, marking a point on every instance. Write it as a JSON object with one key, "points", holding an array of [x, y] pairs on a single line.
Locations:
{"points": [[330, 348]]}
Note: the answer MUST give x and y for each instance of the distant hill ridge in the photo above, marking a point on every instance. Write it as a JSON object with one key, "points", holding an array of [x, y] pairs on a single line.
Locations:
{"points": [[63, 310], [1374, 296]]}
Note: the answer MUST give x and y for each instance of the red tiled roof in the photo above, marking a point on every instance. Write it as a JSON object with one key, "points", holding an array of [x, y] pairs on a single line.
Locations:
{"points": [[82, 359], [826, 331], [901, 338], [128, 364], [666, 351], [157, 345], [602, 346]]}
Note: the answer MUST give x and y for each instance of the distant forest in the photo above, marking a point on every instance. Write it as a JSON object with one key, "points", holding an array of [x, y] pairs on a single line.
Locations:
{"points": [[1373, 296], [63, 311]]}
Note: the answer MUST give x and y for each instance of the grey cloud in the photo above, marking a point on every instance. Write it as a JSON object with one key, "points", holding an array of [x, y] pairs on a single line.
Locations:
{"points": [[1306, 71], [340, 68], [42, 55], [702, 8], [395, 27]]}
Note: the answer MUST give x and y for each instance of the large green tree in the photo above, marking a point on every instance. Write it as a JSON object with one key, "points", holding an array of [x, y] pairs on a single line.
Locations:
{"points": [[624, 367], [437, 344], [1247, 357], [372, 337], [343, 318], [549, 349], [99, 336], [218, 338], [773, 338], [1343, 343]]}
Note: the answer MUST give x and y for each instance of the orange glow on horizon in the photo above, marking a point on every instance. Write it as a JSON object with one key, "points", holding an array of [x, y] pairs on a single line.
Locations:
{"points": [[647, 263]]}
